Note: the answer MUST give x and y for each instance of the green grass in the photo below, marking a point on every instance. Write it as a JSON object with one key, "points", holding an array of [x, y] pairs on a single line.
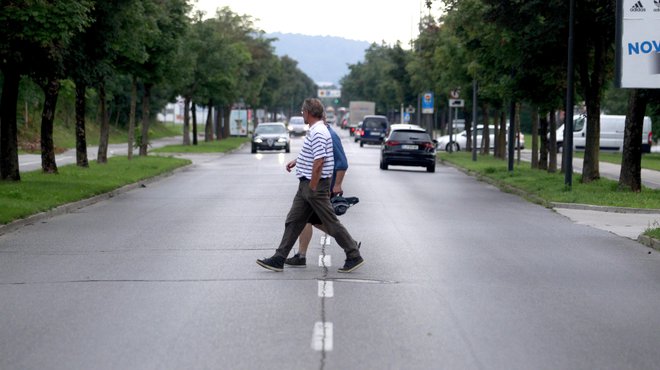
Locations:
{"points": [[550, 187], [653, 232], [64, 135], [38, 192], [221, 146], [650, 161]]}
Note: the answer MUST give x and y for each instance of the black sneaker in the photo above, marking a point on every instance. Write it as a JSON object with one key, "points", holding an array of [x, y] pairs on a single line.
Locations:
{"points": [[274, 263], [296, 261], [352, 264]]}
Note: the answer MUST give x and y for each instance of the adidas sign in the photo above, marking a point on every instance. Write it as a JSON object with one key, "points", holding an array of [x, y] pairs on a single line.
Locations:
{"points": [[638, 7]]}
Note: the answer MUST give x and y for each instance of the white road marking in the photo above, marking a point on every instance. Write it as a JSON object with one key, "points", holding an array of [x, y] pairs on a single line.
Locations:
{"points": [[322, 337], [325, 260], [326, 289]]}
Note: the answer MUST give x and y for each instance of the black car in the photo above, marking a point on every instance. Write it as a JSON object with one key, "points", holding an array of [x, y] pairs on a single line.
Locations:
{"points": [[373, 130], [271, 136], [408, 145]]}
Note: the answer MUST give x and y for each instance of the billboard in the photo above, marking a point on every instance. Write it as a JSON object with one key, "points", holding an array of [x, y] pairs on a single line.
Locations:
{"points": [[638, 44], [329, 93]]}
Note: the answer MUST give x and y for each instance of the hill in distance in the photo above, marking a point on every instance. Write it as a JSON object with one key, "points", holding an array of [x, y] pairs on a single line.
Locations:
{"points": [[324, 59]]}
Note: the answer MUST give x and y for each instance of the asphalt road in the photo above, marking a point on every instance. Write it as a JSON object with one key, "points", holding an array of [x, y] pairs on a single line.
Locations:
{"points": [[458, 275]]}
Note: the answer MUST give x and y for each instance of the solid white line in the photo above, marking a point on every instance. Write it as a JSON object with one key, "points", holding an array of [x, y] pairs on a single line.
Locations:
{"points": [[325, 260], [326, 289], [322, 337]]}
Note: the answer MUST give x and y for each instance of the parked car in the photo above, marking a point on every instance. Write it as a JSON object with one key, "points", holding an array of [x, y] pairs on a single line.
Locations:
{"points": [[297, 126], [373, 130], [271, 136], [460, 140], [408, 145]]}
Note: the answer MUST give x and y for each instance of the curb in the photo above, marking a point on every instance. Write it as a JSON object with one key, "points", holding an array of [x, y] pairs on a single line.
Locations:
{"points": [[71, 207], [649, 242], [642, 239]]}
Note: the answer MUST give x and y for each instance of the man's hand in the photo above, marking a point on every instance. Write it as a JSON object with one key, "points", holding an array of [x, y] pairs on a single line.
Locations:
{"points": [[290, 165]]}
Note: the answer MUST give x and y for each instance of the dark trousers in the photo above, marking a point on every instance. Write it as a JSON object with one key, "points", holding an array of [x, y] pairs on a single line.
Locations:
{"points": [[304, 204]]}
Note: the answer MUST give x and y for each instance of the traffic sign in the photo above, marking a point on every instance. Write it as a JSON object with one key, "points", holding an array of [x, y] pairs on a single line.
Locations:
{"points": [[329, 93], [455, 94], [427, 103], [456, 103]]}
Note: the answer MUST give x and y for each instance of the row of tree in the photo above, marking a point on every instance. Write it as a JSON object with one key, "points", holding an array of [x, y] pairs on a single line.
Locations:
{"points": [[129, 52], [516, 50]]}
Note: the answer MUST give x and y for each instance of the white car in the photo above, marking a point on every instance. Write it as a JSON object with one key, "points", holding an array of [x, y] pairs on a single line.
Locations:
{"points": [[460, 140], [297, 126]]}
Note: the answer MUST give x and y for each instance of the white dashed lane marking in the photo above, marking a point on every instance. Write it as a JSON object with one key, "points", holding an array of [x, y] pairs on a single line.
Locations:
{"points": [[325, 261], [322, 337], [326, 289]]}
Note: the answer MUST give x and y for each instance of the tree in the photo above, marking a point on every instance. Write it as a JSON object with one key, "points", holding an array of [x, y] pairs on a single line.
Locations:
{"points": [[30, 28]]}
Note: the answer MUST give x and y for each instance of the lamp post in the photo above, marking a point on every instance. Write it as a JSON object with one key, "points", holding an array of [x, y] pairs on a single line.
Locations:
{"points": [[568, 125]]}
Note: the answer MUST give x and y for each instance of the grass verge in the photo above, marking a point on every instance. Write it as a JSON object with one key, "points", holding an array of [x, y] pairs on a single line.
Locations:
{"points": [[38, 192], [221, 146], [549, 188], [650, 161]]}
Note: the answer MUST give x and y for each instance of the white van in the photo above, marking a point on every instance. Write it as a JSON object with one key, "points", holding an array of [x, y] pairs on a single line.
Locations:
{"points": [[612, 129]]}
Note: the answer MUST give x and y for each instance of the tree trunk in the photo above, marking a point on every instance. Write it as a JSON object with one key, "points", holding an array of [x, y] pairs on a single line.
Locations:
{"points": [[535, 137], [9, 169], [102, 156], [131, 117], [81, 139], [543, 138], [485, 133], [552, 143], [630, 177], [186, 120], [501, 141], [226, 128], [517, 133], [218, 122], [144, 138], [51, 91], [468, 133], [208, 129], [193, 109]]}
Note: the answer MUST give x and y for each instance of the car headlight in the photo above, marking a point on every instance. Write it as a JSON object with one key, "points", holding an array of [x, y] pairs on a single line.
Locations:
{"points": [[281, 140], [258, 140]]}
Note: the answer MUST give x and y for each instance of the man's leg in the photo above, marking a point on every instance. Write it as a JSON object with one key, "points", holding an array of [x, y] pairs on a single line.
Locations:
{"points": [[295, 221], [320, 203], [304, 239]]}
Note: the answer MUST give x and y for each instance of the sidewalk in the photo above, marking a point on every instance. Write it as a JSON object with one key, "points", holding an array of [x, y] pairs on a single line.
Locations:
{"points": [[626, 222]]}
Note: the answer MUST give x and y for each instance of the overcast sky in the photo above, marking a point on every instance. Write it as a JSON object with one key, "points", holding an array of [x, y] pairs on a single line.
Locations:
{"points": [[363, 20]]}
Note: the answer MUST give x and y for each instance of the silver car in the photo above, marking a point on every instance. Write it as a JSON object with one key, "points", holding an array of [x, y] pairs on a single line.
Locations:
{"points": [[297, 126]]}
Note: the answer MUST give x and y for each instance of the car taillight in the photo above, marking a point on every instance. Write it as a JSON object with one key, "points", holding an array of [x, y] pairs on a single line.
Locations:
{"points": [[650, 138], [352, 129], [392, 143], [427, 146]]}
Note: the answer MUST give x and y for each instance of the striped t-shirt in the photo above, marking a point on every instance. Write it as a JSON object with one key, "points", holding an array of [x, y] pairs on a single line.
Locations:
{"points": [[317, 144]]}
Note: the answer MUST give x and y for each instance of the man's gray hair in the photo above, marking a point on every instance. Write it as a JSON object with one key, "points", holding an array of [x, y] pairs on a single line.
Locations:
{"points": [[314, 107]]}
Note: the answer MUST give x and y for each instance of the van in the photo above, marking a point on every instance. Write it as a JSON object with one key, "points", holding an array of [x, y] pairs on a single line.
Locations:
{"points": [[612, 129], [373, 129]]}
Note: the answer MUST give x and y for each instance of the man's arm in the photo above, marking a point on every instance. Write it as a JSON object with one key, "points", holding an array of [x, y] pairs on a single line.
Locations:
{"points": [[317, 169], [339, 178]]}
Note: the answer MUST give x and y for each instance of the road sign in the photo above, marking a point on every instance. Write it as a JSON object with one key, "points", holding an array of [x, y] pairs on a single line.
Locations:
{"points": [[406, 117], [410, 109], [329, 93], [427, 103], [455, 94], [456, 103]]}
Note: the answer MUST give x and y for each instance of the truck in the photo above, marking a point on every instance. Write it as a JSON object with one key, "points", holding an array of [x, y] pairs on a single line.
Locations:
{"points": [[357, 110]]}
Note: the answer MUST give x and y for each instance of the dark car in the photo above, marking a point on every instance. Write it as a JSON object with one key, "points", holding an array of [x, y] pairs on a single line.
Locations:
{"points": [[373, 130], [271, 136], [408, 145]]}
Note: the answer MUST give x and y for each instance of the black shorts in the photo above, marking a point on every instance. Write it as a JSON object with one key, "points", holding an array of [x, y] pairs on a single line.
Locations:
{"points": [[314, 219]]}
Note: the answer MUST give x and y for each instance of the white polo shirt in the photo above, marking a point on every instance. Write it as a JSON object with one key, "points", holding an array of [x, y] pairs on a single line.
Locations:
{"points": [[317, 144]]}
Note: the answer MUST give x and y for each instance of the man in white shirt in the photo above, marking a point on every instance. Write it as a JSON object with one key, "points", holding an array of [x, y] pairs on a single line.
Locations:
{"points": [[314, 166]]}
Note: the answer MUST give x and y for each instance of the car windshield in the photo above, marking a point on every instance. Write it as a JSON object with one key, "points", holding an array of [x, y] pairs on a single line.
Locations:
{"points": [[578, 124], [297, 121], [270, 129], [374, 124], [405, 135]]}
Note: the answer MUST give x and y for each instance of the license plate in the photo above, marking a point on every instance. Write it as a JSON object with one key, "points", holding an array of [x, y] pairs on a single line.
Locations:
{"points": [[409, 147]]}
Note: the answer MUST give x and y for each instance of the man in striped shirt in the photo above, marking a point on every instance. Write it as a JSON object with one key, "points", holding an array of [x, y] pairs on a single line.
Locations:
{"points": [[314, 166]]}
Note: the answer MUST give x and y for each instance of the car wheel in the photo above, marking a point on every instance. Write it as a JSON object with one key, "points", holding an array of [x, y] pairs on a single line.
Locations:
{"points": [[453, 146], [361, 144], [254, 148], [431, 168], [560, 145], [383, 165], [288, 148]]}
